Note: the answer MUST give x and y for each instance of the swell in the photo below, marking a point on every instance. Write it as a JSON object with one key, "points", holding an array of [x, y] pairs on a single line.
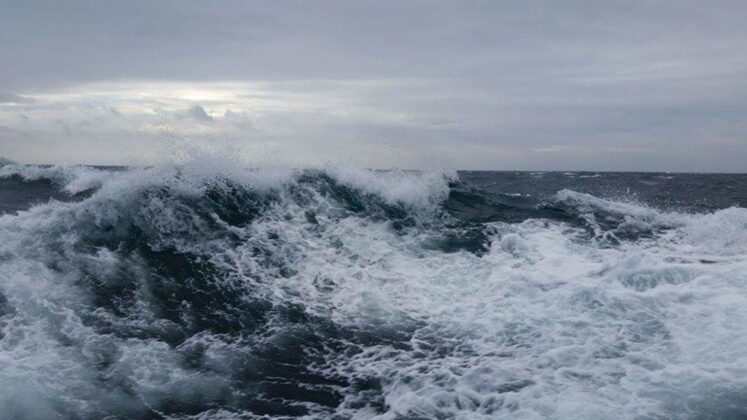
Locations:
{"points": [[222, 292], [178, 268], [466, 204]]}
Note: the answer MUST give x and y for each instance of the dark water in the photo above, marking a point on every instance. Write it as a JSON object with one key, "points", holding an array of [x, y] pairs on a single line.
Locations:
{"points": [[689, 192], [666, 191], [204, 291]]}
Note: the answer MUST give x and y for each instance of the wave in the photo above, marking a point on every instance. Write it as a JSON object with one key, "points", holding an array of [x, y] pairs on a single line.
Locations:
{"points": [[211, 291], [71, 179]]}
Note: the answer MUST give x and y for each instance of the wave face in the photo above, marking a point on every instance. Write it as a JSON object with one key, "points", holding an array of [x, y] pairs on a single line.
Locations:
{"points": [[196, 292]]}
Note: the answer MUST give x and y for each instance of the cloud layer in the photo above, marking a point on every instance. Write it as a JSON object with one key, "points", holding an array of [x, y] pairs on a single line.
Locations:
{"points": [[632, 85]]}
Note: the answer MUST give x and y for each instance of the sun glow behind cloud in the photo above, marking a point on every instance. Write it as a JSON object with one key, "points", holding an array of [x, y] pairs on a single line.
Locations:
{"points": [[259, 121], [408, 123]]}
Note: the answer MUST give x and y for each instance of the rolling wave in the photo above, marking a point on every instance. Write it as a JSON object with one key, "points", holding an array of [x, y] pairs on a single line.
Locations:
{"points": [[211, 291]]}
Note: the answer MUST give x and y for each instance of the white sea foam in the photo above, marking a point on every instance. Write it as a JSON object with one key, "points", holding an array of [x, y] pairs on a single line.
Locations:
{"points": [[415, 189], [544, 325]]}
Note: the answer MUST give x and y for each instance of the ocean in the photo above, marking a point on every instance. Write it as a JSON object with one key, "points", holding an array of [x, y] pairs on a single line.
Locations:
{"points": [[207, 290]]}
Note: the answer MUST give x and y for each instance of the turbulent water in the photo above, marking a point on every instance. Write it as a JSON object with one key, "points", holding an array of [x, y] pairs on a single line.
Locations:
{"points": [[210, 291]]}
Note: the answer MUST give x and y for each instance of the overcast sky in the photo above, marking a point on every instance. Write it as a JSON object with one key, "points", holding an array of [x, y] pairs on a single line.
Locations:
{"points": [[536, 85]]}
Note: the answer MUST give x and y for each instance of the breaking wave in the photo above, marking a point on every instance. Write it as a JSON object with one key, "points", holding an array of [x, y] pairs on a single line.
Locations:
{"points": [[211, 291]]}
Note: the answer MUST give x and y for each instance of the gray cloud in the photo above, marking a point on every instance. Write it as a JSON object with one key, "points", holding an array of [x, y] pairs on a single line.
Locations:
{"points": [[197, 113], [625, 85], [10, 99]]}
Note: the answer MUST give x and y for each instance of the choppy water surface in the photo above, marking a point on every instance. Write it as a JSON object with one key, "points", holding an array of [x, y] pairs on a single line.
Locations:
{"points": [[211, 291]]}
